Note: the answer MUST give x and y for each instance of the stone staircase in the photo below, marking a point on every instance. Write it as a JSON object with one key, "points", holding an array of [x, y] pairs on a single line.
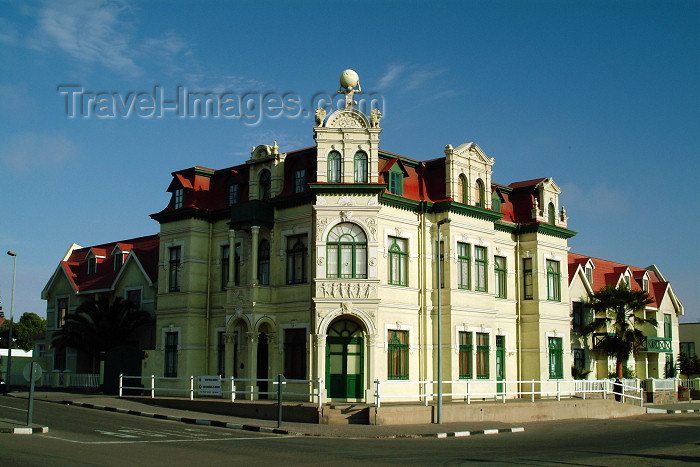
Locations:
{"points": [[345, 414]]}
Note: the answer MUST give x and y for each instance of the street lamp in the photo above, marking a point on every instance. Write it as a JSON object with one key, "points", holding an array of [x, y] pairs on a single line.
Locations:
{"points": [[12, 309], [439, 321]]}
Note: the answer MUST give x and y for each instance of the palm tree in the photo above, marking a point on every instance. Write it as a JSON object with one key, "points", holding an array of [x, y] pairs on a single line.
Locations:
{"points": [[620, 321], [97, 326]]}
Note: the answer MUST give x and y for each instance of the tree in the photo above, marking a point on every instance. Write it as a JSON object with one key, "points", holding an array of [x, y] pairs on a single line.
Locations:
{"points": [[23, 332], [97, 326], [688, 365], [623, 315]]}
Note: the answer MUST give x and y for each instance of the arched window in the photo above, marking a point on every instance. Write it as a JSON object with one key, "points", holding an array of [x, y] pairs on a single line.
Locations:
{"points": [[479, 200], [264, 263], [461, 194], [346, 252], [264, 192], [360, 167], [334, 167], [551, 214], [398, 261]]}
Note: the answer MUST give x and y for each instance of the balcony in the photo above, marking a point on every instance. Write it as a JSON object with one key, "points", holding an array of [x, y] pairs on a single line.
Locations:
{"points": [[599, 337], [657, 344], [250, 213]]}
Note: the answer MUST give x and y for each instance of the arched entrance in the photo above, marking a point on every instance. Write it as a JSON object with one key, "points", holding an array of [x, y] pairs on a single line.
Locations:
{"points": [[345, 360], [263, 362]]}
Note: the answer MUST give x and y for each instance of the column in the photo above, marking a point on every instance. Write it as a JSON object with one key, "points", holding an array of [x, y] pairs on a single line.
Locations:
{"points": [[319, 361], [231, 257], [255, 231], [229, 350]]}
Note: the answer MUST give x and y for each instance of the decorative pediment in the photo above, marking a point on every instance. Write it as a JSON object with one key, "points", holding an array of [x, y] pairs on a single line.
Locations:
{"points": [[470, 151], [549, 185], [263, 151], [347, 118]]}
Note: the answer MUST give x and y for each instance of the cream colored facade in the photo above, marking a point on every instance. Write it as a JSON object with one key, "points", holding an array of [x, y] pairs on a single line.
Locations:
{"points": [[240, 328]]}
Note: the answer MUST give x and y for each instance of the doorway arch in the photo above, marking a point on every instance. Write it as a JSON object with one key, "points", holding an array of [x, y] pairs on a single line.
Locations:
{"points": [[345, 347]]}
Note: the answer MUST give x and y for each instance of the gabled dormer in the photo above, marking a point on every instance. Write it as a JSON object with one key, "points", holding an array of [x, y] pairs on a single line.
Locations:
{"points": [[468, 174], [94, 257], [266, 166], [119, 253], [625, 278], [177, 187], [546, 206], [588, 271], [394, 174]]}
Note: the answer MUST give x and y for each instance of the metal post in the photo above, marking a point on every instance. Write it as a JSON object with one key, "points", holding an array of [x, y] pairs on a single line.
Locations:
{"points": [[30, 409], [191, 388], [12, 310], [533, 390], [233, 390], [153, 386], [439, 322], [279, 401], [121, 383], [377, 400]]}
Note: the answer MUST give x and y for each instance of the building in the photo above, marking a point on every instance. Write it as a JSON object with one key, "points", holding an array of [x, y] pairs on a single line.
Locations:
{"points": [[126, 269], [689, 335], [322, 262], [658, 356]]}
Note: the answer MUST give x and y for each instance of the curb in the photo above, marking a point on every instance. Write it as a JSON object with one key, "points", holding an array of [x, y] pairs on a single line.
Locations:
{"points": [[671, 411], [25, 430], [188, 420], [461, 434]]}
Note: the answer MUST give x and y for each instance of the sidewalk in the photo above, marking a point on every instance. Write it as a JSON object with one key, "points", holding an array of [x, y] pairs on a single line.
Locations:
{"points": [[134, 408]]}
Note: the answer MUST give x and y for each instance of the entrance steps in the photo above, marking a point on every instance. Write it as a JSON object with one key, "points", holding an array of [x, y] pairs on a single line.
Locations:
{"points": [[344, 414]]}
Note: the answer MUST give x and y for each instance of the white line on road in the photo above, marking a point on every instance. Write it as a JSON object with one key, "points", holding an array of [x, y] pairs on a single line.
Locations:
{"points": [[13, 408], [167, 440]]}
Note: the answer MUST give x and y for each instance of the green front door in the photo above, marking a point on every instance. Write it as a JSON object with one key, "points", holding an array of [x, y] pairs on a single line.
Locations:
{"points": [[500, 361], [344, 361]]}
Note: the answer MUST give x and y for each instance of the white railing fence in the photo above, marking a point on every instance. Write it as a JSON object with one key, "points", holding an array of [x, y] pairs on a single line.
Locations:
{"points": [[689, 383], [158, 385], [467, 390]]}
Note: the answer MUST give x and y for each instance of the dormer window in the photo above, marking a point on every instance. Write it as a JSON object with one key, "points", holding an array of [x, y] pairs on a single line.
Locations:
{"points": [[361, 167], [589, 274], [118, 261], [396, 180], [334, 167], [480, 195], [627, 281], [265, 184], [495, 202], [300, 179], [92, 265], [233, 194], [178, 198], [551, 213], [645, 284]]}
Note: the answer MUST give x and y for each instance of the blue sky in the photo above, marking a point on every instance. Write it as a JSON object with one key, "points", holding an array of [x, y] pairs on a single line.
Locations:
{"points": [[602, 96]]}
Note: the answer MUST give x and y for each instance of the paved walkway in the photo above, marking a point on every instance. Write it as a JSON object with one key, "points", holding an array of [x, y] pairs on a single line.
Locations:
{"points": [[134, 408]]}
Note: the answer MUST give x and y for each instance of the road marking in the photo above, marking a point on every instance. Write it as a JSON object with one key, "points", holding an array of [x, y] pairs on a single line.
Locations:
{"points": [[13, 408], [117, 434], [168, 440]]}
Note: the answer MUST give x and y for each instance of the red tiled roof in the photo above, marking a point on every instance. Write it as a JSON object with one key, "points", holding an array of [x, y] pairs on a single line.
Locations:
{"points": [[145, 249], [610, 273]]}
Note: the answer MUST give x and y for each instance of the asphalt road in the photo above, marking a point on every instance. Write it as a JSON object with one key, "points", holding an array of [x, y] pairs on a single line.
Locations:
{"points": [[91, 437]]}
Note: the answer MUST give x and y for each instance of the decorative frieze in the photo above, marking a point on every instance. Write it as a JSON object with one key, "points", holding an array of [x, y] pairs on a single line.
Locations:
{"points": [[346, 290]]}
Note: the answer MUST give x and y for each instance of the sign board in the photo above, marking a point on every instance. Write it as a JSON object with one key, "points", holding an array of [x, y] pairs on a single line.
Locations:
{"points": [[209, 385], [32, 376]]}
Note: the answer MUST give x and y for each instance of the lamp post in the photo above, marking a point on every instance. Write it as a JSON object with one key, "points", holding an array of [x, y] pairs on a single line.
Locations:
{"points": [[12, 310], [439, 321]]}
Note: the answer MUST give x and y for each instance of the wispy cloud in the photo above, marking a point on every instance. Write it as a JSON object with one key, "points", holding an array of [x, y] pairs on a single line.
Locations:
{"points": [[90, 32], [32, 151], [408, 76], [390, 76]]}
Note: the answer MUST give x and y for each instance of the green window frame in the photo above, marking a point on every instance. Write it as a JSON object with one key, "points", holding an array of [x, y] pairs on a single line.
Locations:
{"points": [[668, 326], [264, 263], [465, 265], [556, 358], [335, 164], [398, 354], [178, 197], [482, 355], [265, 185], [465, 355], [346, 252], [300, 180], [551, 214], [589, 275], [361, 167], [495, 202], [174, 269], [396, 180], [501, 275], [481, 263], [297, 251], [171, 348], [527, 279], [553, 281], [225, 259], [398, 261]]}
